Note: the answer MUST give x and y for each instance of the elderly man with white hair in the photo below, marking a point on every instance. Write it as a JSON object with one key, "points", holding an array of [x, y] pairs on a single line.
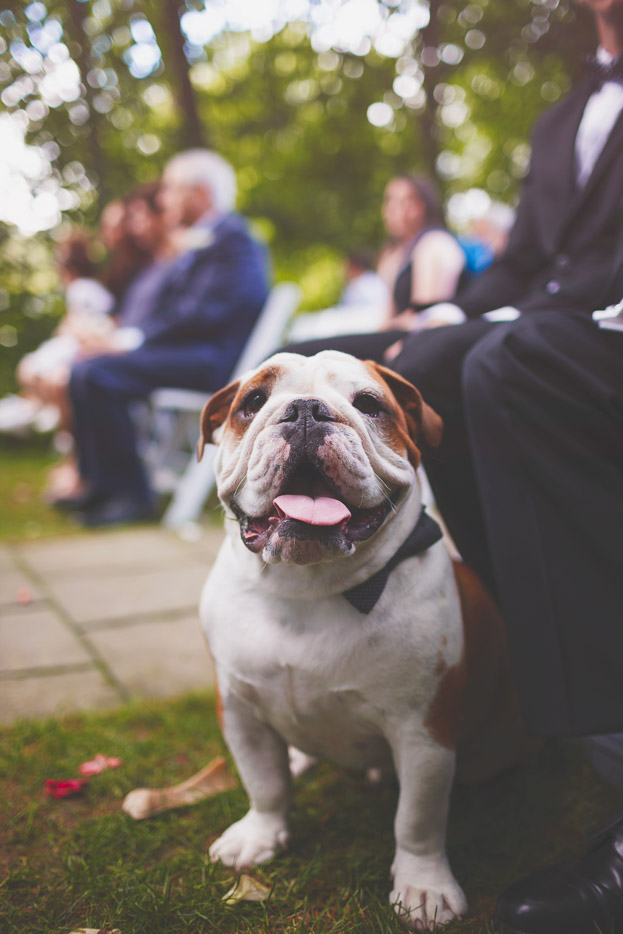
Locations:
{"points": [[186, 329]]}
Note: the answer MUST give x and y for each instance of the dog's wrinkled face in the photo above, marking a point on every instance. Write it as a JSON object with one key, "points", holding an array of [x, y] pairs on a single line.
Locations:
{"points": [[315, 453]]}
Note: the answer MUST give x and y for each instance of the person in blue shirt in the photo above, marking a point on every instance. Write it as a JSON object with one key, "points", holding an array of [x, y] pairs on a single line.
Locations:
{"points": [[184, 329]]}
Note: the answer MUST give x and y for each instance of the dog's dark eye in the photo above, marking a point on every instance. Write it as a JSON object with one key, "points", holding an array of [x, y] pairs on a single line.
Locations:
{"points": [[253, 402], [368, 404]]}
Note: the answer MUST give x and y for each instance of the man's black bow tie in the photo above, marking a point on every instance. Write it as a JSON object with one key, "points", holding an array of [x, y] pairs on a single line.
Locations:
{"points": [[600, 72]]}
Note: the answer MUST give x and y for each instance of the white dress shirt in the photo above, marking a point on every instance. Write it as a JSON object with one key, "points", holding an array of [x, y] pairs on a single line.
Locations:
{"points": [[600, 114]]}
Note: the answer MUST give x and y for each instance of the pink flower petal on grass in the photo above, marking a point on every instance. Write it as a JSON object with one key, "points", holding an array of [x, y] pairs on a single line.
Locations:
{"points": [[64, 787], [99, 764], [24, 596]]}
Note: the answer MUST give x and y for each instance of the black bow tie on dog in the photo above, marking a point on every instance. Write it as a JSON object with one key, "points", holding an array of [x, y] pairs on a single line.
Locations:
{"points": [[365, 596], [600, 72]]}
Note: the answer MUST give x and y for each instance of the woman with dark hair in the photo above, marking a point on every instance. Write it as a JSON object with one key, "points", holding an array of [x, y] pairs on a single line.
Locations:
{"points": [[421, 265], [423, 260], [87, 303], [42, 373]]}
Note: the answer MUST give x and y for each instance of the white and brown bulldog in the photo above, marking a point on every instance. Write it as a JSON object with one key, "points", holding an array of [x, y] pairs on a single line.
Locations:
{"points": [[333, 612]]}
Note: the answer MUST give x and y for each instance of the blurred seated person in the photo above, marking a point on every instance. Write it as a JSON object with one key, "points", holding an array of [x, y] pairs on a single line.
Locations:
{"points": [[87, 302], [423, 261], [139, 259], [41, 372], [421, 265], [130, 246], [485, 237], [134, 235], [133, 232], [361, 307], [186, 331], [363, 286]]}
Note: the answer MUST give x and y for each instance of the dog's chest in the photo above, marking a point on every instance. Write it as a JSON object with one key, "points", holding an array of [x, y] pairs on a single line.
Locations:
{"points": [[330, 680], [326, 717]]}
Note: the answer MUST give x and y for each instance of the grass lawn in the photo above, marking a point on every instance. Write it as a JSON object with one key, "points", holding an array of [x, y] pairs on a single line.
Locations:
{"points": [[23, 472], [81, 862], [24, 515]]}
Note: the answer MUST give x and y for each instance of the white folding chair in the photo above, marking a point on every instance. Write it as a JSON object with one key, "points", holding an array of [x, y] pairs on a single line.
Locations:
{"points": [[179, 410]]}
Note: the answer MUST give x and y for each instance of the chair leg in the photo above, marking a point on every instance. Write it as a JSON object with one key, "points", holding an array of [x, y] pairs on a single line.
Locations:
{"points": [[192, 491]]}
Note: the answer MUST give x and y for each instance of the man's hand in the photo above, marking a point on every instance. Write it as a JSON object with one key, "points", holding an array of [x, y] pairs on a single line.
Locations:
{"points": [[392, 351], [405, 321], [436, 316]]}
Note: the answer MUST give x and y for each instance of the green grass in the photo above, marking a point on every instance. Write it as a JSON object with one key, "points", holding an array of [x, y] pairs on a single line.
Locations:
{"points": [[24, 515], [23, 473], [66, 864]]}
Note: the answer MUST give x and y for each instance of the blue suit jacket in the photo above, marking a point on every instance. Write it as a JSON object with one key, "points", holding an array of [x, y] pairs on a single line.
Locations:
{"points": [[212, 295]]}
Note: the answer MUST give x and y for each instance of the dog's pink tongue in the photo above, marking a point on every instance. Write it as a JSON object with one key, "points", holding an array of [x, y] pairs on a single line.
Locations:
{"points": [[320, 511]]}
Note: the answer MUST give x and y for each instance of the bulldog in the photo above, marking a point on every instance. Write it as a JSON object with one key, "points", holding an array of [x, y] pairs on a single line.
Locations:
{"points": [[334, 616]]}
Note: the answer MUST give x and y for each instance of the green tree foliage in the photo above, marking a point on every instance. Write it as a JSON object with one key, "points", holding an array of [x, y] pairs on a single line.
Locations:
{"points": [[457, 100]]}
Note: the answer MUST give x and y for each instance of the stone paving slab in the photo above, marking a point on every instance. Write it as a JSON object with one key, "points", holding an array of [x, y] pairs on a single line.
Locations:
{"points": [[13, 584], [205, 550], [35, 638], [90, 598], [112, 614], [54, 695], [6, 559], [109, 550], [173, 655]]}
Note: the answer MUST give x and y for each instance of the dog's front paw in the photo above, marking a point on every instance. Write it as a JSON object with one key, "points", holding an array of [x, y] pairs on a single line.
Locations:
{"points": [[425, 894], [254, 839]]}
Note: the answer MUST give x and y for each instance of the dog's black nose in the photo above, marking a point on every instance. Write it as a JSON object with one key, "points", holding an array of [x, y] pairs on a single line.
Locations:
{"points": [[307, 410]]}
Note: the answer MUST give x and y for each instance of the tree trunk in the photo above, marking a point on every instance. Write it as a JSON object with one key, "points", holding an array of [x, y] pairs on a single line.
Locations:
{"points": [[166, 24]]}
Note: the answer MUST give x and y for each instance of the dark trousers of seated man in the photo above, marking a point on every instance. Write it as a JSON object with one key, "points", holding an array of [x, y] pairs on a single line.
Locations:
{"points": [[101, 390], [529, 480]]}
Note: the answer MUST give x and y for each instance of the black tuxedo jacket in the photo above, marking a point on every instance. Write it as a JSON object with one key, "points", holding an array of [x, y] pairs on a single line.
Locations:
{"points": [[566, 246]]}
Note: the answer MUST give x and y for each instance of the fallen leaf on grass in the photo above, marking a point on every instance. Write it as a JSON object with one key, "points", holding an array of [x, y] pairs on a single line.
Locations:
{"points": [[246, 889], [64, 787], [99, 764], [145, 802]]}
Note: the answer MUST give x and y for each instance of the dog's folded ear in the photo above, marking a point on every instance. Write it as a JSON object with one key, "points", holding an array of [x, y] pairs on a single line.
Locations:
{"points": [[421, 418], [214, 413]]}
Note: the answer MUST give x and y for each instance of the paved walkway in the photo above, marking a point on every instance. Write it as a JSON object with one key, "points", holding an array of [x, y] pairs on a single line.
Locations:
{"points": [[89, 621]]}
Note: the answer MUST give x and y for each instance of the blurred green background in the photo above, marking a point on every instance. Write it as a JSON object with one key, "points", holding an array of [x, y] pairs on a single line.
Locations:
{"points": [[316, 104]]}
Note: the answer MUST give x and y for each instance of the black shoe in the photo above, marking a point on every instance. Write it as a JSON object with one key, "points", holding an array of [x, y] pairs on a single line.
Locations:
{"points": [[116, 510], [77, 503], [583, 897]]}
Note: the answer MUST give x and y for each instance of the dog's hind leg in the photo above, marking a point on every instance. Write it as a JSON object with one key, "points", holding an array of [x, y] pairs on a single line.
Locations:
{"points": [[145, 802], [300, 762]]}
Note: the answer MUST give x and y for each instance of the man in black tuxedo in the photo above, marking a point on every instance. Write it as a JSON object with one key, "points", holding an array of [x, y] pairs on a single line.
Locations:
{"points": [[529, 477], [564, 259]]}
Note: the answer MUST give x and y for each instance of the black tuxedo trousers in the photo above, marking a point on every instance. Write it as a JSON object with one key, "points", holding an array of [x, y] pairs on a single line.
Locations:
{"points": [[529, 479]]}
